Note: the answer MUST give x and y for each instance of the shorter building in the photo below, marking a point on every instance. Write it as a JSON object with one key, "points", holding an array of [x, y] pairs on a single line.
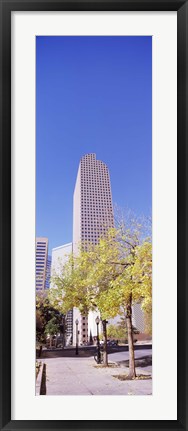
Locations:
{"points": [[41, 263], [138, 318], [59, 258], [48, 272]]}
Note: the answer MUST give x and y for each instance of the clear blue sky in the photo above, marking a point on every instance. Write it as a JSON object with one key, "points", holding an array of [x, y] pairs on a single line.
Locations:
{"points": [[93, 94]]}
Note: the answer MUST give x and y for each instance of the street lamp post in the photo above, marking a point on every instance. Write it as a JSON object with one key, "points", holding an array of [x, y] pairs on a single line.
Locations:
{"points": [[105, 352], [76, 321], [97, 320]]}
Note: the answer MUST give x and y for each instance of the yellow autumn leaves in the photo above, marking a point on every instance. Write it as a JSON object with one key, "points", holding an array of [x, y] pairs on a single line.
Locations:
{"points": [[104, 276]]}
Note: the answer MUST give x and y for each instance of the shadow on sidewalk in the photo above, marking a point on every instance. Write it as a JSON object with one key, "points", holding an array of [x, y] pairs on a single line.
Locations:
{"points": [[142, 362]]}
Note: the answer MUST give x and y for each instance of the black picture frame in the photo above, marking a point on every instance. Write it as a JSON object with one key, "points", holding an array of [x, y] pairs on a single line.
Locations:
{"points": [[6, 7]]}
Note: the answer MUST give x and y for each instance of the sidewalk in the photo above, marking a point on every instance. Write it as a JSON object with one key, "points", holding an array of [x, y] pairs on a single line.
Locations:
{"points": [[82, 376]]}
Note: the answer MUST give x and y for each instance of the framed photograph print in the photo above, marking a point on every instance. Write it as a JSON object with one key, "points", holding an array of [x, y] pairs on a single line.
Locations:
{"points": [[93, 214]]}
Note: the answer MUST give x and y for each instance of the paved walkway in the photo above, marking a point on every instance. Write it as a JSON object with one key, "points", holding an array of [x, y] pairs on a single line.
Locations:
{"points": [[82, 376]]}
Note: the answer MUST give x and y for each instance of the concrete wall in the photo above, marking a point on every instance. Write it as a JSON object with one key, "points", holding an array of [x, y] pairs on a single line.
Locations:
{"points": [[59, 258]]}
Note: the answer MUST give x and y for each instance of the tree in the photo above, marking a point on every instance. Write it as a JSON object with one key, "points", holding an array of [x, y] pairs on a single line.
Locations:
{"points": [[109, 277], [117, 332], [130, 281], [70, 284], [51, 328], [44, 314], [74, 286]]}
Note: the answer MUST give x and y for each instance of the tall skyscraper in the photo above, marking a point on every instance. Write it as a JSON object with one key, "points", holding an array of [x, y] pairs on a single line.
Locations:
{"points": [[92, 214], [41, 262], [92, 205]]}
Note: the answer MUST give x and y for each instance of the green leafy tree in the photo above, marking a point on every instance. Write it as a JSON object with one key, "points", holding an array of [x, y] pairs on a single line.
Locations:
{"points": [[117, 333], [44, 314], [52, 328]]}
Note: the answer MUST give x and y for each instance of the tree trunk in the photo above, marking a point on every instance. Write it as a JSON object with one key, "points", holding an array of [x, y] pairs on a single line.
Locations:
{"points": [[50, 341], [105, 353], [132, 370]]}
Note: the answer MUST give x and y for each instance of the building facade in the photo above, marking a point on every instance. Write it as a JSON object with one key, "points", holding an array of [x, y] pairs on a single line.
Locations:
{"points": [[92, 218], [41, 263], [48, 272], [59, 258], [92, 202]]}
